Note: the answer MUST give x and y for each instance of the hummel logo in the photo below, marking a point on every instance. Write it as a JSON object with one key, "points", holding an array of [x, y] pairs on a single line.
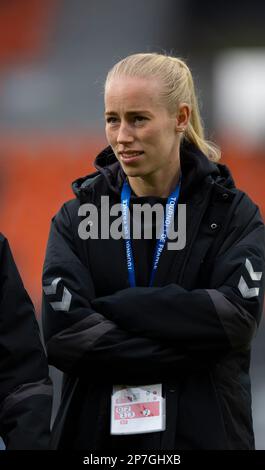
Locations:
{"points": [[49, 290], [62, 305], [249, 292], [255, 276]]}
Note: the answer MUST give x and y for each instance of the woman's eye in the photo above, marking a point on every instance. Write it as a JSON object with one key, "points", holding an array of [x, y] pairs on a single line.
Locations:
{"points": [[139, 118], [111, 120]]}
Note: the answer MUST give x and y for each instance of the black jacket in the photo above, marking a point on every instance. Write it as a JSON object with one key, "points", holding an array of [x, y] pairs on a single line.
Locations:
{"points": [[192, 331], [25, 389]]}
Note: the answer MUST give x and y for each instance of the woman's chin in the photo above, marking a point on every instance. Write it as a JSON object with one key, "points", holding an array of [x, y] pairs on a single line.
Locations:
{"points": [[132, 172]]}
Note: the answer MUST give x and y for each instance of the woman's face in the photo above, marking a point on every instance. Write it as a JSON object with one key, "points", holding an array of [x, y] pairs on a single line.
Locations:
{"points": [[139, 128]]}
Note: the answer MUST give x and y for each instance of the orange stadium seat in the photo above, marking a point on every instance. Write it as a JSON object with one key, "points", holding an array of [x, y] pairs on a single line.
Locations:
{"points": [[24, 28]]}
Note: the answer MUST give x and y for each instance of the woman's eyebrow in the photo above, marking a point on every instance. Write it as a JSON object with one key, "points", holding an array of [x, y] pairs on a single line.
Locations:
{"points": [[139, 111]]}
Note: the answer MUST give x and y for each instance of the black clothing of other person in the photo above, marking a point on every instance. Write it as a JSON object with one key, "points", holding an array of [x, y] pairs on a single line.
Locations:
{"points": [[25, 388]]}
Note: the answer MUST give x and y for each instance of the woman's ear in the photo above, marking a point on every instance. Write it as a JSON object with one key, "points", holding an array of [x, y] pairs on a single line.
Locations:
{"points": [[182, 117]]}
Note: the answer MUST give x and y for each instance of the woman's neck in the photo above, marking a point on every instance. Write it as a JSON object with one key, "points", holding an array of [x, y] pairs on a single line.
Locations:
{"points": [[160, 185]]}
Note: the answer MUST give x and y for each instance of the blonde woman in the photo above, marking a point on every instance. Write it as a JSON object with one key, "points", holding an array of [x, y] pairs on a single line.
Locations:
{"points": [[152, 321]]}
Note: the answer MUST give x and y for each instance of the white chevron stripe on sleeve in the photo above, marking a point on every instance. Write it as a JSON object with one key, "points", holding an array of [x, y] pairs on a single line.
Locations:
{"points": [[51, 289], [64, 304], [255, 275], [247, 292]]}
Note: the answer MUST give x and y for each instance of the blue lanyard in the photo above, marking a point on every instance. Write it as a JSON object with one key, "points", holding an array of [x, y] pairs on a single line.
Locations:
{"points": [[170, 212]]}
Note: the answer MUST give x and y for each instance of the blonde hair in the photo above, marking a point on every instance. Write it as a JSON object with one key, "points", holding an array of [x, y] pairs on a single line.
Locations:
{"points": [[178, 88]]}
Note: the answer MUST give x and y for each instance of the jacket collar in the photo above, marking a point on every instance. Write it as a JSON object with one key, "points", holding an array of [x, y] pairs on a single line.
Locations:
{"points": [[196, 168]]}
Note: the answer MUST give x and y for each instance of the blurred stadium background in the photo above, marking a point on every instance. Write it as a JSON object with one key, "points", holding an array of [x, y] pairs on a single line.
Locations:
{"points": [[54, 55]]}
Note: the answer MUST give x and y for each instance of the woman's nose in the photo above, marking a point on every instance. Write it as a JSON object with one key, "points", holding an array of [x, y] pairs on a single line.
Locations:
{"points": [[124, 134]]}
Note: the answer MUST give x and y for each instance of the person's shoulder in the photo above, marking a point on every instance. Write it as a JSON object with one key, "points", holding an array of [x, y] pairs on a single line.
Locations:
{"points": [[88, 188], [3, 242], [241, 202], [5, 250], [245, 208], [71, 205], [2, 238], [244, 219], [67, 212]]}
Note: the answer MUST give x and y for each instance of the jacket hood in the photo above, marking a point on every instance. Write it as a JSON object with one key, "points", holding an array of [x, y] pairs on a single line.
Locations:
{"points": [[195, 168]]}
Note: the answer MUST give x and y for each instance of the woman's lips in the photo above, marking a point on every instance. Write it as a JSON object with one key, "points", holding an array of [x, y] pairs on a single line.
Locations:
{"points": [[130, 157]]}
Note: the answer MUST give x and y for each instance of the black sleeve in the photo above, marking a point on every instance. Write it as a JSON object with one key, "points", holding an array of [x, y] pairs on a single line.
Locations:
{"points": [[26, 390], [224, 316]]}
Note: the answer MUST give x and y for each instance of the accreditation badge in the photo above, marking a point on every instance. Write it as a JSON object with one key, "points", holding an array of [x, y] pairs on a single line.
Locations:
{"points": [[137, 409]]}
